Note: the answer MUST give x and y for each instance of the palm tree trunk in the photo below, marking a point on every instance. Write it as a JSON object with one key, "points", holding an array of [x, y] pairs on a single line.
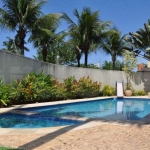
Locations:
{"points": [[78, 62], [44, 54], [114, 61], [22, 46], [86, 58], [19, 39]]}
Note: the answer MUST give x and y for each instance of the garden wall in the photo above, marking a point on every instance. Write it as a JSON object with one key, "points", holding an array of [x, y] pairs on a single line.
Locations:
{"points": [[14, 66]]}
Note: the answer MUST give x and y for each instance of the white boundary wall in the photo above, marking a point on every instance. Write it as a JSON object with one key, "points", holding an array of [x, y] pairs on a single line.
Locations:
{"points": [[14, 67]]}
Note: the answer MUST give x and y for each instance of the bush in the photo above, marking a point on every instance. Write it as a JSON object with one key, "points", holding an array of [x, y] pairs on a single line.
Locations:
{"points": [[88, 88], [33, 88], [108, 91], [4, 94], [83, 88], [41, 88], [139, 93]]}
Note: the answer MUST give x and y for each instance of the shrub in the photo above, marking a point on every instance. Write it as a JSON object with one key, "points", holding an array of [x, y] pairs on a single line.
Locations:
{"points": [[33, 88], [41, 88], [88, 88], [83, 88], [108, 90], [70, 85], [4, 94], [139, 93]]}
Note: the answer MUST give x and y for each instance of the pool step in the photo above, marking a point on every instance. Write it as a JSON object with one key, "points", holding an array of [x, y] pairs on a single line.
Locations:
{"points": [[71, 117], [24, 112]]}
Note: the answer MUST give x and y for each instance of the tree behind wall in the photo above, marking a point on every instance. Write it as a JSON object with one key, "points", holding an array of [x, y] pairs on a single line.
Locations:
{"points": [[113, 44], [91, 30]]}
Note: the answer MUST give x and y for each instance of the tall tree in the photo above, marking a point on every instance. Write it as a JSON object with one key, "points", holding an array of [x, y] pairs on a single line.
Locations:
{"points": [[90, 27], [20, 16], [74, 43], [45, 36], [11, 46], [114, 45], [140, 41], [60, 53], [23, 16]]}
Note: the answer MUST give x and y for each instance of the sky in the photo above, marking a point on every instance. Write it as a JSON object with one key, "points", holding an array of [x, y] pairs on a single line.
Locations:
{"points": [[126, 15]]}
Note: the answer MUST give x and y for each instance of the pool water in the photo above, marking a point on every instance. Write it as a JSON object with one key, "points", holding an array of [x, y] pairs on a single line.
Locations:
{"points": [[22, 121], [48, 116]]}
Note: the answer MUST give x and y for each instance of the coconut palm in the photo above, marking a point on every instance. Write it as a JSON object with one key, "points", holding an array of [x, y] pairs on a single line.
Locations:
{"points": [[74, 43], [45, 37], [140, 41], [113, 44], [20, 16], [60, 52], [90, 27], [11, 46], [23, 16], [142, 36]]}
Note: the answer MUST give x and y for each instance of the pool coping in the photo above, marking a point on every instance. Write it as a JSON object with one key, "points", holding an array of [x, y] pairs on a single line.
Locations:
{"points": [[88, 123]]}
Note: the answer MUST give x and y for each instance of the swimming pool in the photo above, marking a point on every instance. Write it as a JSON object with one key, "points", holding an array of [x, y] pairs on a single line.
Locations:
{"points": [[49, 116]]}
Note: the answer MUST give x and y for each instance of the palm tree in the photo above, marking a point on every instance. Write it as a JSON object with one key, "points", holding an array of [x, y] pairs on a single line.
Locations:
{"points": [[42, 41], [140, 41], [20, 16], [90, 27], [59, 52], [23, 16], [74, 43], [11, 46], [142, 36], [44, 37], [113, 44]]}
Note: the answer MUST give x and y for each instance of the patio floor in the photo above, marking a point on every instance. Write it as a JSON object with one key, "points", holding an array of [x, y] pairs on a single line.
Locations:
{"points": [[107, 136]]}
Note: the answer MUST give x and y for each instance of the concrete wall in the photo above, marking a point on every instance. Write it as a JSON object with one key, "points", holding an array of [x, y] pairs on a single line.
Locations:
{"points": [[16, 67]]}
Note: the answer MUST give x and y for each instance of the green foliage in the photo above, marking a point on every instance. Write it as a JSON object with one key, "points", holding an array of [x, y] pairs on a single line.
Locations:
{"points": [[9, 148], [69, 85], [130, 63], [58, 53], [88, 88], [140, 41], [83, 88], [139, 93], [108, 90], [113, 44], [90, 66], [4, 94], [108, 65], [33, 87], [41, 88], [87, 32]]}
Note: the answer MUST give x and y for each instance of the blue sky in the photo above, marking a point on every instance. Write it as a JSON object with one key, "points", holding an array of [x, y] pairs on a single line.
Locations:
{"points": [[126, 15]]}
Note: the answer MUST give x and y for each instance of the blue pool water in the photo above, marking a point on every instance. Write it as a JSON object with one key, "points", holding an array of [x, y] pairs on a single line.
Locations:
{"points": [[22, 121], [48, 116]]}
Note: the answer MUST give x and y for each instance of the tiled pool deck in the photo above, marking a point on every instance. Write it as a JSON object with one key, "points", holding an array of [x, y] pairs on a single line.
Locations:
{"points": [[92, 135]]}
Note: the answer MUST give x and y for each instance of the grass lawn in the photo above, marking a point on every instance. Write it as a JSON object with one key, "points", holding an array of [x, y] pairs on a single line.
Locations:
{"points": [[9, 148]]}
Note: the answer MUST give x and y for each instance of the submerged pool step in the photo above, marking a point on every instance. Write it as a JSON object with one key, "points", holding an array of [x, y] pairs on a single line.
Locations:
{"points": [[24, 112], [77, 118]]}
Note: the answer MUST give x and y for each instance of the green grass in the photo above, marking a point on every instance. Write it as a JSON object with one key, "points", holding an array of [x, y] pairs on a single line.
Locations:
{"points": [[9, 148]]}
